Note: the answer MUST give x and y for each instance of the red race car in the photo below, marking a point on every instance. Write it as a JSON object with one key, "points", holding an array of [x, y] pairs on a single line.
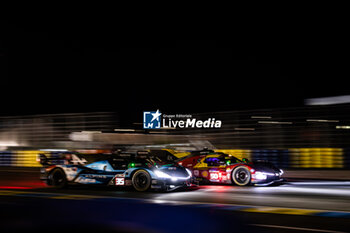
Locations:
{"points": [[209, 166]]}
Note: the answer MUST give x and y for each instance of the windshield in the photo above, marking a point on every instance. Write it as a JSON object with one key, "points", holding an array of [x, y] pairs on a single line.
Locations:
{"points": [[199, 154], [155, 160], [222, 160]]}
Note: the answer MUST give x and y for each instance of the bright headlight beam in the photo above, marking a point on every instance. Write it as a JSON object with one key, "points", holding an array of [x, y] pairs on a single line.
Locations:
{"points": [[189, 172], [162, 174], [260, 176]]}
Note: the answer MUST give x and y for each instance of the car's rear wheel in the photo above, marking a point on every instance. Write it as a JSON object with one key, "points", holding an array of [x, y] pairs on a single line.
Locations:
{"points": [[241, 176], [57, 178], [141, 180]]}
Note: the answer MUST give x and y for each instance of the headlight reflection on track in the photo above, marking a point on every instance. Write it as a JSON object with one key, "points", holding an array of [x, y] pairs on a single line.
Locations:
{"points": [[304, 190]]}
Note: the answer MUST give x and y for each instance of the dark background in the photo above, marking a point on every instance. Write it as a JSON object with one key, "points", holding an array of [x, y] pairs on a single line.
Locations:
{"points": [[55, 66]]}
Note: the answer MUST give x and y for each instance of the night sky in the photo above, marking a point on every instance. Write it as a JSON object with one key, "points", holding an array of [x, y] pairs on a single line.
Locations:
{"points": [[86, 66]]}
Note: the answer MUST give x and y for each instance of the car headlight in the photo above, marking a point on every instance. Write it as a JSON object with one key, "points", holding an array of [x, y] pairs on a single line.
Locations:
{"points": [[189, 172], [161, 174], [260, 176], [281, 172]]}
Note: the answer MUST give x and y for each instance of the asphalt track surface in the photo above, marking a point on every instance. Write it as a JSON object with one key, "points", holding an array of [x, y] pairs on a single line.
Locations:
{"points": [[302, 206]]}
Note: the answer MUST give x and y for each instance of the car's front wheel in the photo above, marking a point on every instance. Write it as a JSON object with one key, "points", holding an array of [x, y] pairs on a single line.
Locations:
{"points": [[141, 180], [241, 176]]}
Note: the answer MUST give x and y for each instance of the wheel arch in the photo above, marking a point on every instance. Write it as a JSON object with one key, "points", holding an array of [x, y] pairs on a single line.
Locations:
{"points": [[55, 169], [153, 176]]}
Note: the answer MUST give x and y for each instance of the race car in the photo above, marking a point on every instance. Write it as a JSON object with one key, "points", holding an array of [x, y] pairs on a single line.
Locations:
{"points": [[140, 170], [192, 158], [217, 167]]}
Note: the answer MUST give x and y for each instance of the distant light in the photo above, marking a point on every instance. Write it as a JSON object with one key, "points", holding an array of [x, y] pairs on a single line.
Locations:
{"points": [[80, 136], [157, 132], [180, 144], [321, 120], [154, 146], [58, 150], [328, 100], [124, 130], [260, 117], [244, 129], [342, 127], [276, 122], [91, 131], [168, 128], [8, 143]]}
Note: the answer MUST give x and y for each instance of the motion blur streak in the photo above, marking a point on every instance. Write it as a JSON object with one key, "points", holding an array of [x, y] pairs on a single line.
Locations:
{"points": [[14, 187], [328, 100]]}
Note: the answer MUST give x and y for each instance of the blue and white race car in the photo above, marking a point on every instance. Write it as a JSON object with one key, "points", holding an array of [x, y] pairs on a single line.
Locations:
{"points": [[139, 170]]}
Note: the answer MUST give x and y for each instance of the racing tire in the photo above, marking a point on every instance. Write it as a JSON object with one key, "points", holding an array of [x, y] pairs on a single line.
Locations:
{"points": [[57, 178], [241, 176], [141, 180]]}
